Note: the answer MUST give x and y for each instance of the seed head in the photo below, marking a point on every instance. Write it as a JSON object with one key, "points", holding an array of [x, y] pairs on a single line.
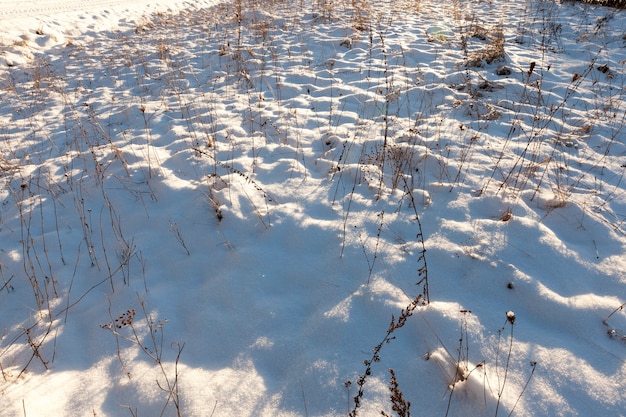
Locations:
{"points": [[510, 316]]}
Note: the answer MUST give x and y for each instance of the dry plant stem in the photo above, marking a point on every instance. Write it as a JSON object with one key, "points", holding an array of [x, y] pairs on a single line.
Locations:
{"points": [[389, 336], [127, 248], [153, 350], [79, 203], [7, 282], [35, 345], [132, 412], [117, 343], [506, 368], [58, 234], [533, 364], [348, 384], [104, 252], [388, 93], [371, 263], [25, 213], [462, 359], [401, 406], [306, 409], [93, 287], [231, 170], [345, 219], [422, 270], [50, 274], [175, 229], [69, 289], [606, 319], [171, 386], [395, 324]]}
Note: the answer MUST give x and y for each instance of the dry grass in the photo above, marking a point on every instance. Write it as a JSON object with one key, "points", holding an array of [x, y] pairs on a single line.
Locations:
{"points": [[394, 165], [494, 49], [619, 4]]}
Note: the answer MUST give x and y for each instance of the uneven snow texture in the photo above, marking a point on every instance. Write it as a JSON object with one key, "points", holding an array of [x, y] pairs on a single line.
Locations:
{"points": [[211, 210]]}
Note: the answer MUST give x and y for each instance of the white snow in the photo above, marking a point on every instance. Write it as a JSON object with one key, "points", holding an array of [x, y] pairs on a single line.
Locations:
{"points": [[211, 208]]}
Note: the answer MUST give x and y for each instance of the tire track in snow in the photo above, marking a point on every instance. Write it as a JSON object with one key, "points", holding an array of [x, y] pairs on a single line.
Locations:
{"points": [[12, 10]]}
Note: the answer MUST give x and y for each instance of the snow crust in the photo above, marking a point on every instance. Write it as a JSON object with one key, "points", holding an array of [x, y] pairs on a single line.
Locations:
{"points": [[211, 208]]}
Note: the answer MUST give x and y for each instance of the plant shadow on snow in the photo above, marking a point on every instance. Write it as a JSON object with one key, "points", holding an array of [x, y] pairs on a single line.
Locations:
{"points": [[224, 209]]}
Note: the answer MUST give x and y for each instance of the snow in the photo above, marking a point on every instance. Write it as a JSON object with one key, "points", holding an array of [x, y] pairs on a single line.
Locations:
{"points": [[211, 208]]}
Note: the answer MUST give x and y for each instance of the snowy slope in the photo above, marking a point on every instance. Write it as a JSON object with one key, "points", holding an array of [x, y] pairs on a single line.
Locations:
{"points": [[217, 209]]}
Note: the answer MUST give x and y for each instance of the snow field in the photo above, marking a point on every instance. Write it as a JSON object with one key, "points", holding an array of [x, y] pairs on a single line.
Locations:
{"points": [[212, 211]]}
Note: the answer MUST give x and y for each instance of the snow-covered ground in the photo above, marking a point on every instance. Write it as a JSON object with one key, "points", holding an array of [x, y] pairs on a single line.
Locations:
{"points": [[218, 208]]}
